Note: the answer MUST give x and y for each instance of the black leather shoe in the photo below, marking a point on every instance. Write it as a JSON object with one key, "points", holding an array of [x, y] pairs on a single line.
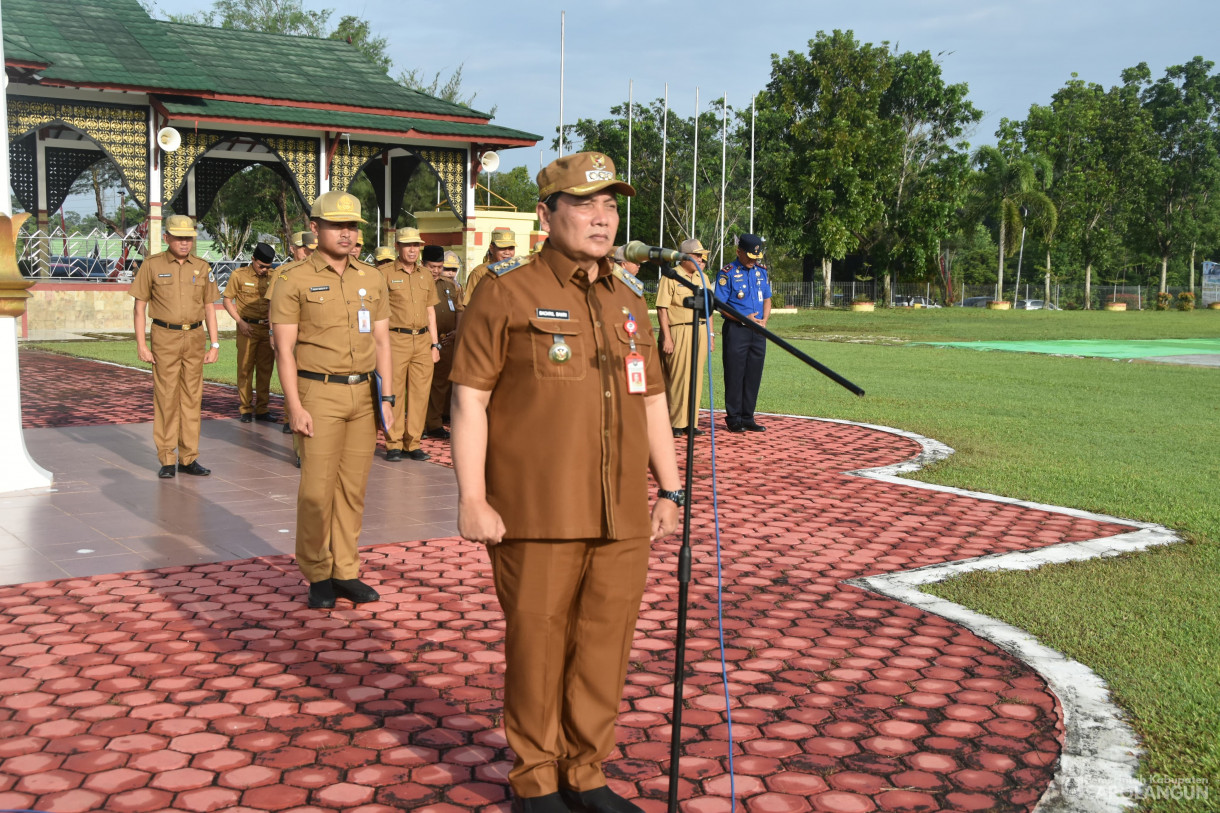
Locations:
{"points": [[679, 433], [550, 803], [194, 468], [287, 430], [246, 417], [321, 595], [166, 472], [751, 426], [734, 427], [419, 454], [266, 416], [437, 434], [598, 800], [355, 591], [393, 455]]}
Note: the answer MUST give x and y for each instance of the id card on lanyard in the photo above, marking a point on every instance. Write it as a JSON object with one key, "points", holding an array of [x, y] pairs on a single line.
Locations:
{"points": [[364, 320], [637, 383]]}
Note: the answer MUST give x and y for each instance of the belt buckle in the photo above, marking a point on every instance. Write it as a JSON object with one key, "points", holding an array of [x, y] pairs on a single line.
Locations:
{"points": [[184, 327], [353, 379]]}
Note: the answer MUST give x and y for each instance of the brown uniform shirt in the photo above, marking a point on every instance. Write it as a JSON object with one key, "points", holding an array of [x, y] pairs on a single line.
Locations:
{"points": [[176, 292], [670, 295], [472, 281], [411, 292], [449, 305], [325, 307], [248, 291], [567, 448]]}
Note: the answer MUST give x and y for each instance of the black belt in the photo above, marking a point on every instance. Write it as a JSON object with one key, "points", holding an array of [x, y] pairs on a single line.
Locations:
{"points": [[159, 323], [410, 331], [354, 378], [255, 321]]}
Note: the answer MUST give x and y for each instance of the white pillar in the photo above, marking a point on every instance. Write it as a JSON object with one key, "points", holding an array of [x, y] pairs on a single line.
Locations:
{"points": [[19, 471]]}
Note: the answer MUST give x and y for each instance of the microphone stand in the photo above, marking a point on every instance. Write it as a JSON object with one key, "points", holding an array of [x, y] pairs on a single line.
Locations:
{"points": [[698, 307]]}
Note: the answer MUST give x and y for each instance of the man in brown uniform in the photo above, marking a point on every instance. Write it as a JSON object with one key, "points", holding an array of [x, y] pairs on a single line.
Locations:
{"points": [[448, 314], [557, 349], [331, 319], [383, 255], [676, 337], [176, 289], [416, 345], [503, 247], [245, 298], [303, 244]]}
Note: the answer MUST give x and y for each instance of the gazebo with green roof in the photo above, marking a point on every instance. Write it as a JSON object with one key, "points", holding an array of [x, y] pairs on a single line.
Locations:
{"points": [[102, 76]]}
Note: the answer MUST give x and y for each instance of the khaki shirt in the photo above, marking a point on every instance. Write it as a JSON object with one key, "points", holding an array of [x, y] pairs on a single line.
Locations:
{"points": [[324, 306], [567, 447], [176, 292], [450, 305], [411, 292], [472, 280], [277, 273], [248, 290], [670, 295]]}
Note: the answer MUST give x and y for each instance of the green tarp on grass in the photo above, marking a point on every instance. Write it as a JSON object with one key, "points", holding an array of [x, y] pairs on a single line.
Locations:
{"points": [[1132, 349]]}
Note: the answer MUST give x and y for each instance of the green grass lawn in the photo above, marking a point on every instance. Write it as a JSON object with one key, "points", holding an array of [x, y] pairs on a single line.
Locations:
{"points": [[1120, 438]]}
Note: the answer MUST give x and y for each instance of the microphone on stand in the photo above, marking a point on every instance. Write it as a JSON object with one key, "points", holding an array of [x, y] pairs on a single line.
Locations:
{"points": [[637, 252]]}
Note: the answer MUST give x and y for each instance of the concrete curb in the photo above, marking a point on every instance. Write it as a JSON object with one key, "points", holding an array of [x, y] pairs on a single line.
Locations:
{"points": [[1097, 767]]}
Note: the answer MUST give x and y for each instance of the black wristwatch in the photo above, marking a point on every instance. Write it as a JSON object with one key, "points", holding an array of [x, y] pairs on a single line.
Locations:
{"points": [[678, 496], [438, 345], [389, 398]]}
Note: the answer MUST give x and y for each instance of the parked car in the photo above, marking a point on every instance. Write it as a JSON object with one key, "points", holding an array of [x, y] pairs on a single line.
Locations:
{"points": [[914, 301], [1036, 305], [975, 301]]}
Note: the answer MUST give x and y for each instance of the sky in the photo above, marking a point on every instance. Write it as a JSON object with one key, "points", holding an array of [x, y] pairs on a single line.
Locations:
{"points": [[1010, 54]]}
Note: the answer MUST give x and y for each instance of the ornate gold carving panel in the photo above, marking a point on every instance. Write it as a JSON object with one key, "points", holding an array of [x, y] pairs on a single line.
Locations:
{"points": [[450, 166], [348, 160], [300, 155], [121, 131], [175, 165]]}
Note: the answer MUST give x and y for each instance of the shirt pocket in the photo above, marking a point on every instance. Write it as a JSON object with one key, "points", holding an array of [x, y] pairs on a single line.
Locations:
{"points": [[645, 343], [323, 308], [555, 334]]}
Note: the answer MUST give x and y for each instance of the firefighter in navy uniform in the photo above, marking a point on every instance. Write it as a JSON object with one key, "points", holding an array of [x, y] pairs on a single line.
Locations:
{"points": [[745, 287]]}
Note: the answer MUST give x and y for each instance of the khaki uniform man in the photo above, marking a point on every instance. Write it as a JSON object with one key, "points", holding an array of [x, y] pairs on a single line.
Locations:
{"points": [[383, 255], [416, 345], [503, 247], [620, 257], [245, 298], [677, 340], [330, 314], [303, 244], [558, 349], [176, 289], [448, 315]]}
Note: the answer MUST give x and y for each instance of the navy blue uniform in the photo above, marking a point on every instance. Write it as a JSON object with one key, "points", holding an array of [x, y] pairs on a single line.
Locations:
{"points": [[745, 291]]}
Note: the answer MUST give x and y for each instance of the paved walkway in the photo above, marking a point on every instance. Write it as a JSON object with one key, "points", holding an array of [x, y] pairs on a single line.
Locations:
{"points": [[212, 687]]}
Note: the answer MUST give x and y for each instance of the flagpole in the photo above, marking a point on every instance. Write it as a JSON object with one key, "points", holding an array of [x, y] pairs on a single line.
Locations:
{"points": [[694, 181], [630, 114], [724, 153], [561, 56], [664, 149], [753, 114]]}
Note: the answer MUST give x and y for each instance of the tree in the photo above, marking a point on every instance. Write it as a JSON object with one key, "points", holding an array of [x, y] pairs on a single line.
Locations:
{"points": [[242, 211], [998, 191], [359, 34], [103, 176], [272, 16], [450, 90]]}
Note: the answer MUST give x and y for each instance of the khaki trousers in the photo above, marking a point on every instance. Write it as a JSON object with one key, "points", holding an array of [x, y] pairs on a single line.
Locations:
{"points": [[334, 473], [255, 358], [570, 608], [677, 373], [412, 359], [438, 401], [177, 393]]}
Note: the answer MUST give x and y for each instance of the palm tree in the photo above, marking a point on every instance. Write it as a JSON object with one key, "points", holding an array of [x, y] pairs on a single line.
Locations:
{"points": [[997, 191]]}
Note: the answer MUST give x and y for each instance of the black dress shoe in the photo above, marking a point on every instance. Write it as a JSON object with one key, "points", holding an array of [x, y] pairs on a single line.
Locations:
{"points": [[246, 417], [751, 426], [734, 427], [322, 595], [598, 800], [166, 472], [355, 591], [437, 434], [550, 803], [287, 430], [419, 454], [393, 455], [679, 433], [194, 468], [266, 416]]}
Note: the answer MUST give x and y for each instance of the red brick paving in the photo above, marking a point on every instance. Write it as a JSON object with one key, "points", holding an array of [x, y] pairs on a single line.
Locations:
{"points": [[148, 691]]}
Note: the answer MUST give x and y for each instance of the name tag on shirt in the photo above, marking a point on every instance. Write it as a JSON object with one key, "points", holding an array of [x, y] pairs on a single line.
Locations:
{"points": [[636, 383], [550, 313], [162, 276], [318, 288], [364, 321]]}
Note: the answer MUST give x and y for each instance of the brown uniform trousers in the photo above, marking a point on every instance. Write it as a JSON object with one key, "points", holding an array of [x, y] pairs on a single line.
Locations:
{"points": [[446, 320], [334, 473], [677, 373], [413, 370], [255, 360], [177, 393]]}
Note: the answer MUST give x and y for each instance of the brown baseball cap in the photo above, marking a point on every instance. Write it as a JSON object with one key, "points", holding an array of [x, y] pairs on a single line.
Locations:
{"points": [[451, 260], [692, 246], [503, 238], [304, 239], [408, 235], [580, 174], [383, 253], [337, 207], [179, 226]]}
